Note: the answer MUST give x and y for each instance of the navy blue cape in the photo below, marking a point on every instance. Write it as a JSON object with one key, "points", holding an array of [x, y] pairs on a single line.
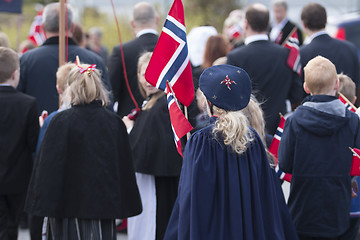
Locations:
{"points": [[223, 195]]}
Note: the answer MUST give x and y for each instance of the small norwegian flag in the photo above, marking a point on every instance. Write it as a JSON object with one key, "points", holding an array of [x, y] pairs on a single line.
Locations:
{"points": [[36, 33], [293, 60], [349, 106], [355, 165], [179, 124], [170, 60], [274, 148]]}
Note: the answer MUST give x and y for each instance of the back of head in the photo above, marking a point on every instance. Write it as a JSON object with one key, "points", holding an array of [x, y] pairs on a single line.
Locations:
{"points": [[143, 59], [9, 63], [314, 16], [227, 90], [144, 15], [78, 34], [4, 40], [216, 47], [320, 75], [347, 87], [257, 16], [51, 17], [85, 87], [62, 75]]}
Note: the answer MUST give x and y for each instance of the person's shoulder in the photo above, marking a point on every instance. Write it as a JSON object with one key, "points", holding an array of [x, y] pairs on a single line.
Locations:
{"points": [[25, 97]]}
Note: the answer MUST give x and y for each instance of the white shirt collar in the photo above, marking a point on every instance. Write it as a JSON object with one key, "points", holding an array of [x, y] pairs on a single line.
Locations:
{"points": [[322, 32], [276, 29], [257, 37], [147, 30], [5, 84]]}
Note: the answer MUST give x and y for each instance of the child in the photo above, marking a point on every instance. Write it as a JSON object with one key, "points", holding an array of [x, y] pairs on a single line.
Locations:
{"points": [[348, 89], [19, 129], [83, 178], [156, 160], [315, 148], [227, 189]]}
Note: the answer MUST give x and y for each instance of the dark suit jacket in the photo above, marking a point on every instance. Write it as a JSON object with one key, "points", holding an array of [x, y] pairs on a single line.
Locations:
{"points": [[132, 50], [342, 54], [19, 129], [38, 69], [287, 29], [272, 80]]}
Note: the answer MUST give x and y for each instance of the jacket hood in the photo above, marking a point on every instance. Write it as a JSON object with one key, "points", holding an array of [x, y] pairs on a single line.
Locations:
{"points": [[322, 115]]}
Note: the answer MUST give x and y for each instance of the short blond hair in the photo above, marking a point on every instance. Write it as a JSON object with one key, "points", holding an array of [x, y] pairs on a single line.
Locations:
{"points": [[347, 87], [62, 75], [83, 88], [320, 75], [9, 63]]}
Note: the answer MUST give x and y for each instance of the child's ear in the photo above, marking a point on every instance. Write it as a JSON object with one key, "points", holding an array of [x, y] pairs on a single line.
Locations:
{"points": [[337, 85], [306, 89]]}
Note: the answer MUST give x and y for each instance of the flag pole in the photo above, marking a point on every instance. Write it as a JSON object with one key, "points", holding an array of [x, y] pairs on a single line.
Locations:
{"points": [[354, 152], [347, 100], [62, 33]]}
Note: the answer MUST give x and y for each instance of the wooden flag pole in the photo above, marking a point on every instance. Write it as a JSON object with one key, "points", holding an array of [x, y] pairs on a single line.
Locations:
{"points": [[347, 100], [62, 33], [354, 152]]}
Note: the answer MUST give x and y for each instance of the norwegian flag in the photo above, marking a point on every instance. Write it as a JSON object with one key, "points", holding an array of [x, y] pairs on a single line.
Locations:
{"points": [[293, 60], [36, 33], [274, 148], [170, 60], [179, 124], [355, 165], [347, 103]]}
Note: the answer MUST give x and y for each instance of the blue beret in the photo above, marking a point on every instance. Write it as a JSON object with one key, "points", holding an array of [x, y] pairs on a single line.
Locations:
{"points": [[227, 87]]}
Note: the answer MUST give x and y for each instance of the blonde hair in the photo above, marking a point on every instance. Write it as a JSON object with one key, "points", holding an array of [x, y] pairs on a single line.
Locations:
{"points": [[347, 87], [233, 127], [62, 75], [9, 63], [255, 116], [145, 59], [320, 75], [83, 88]]}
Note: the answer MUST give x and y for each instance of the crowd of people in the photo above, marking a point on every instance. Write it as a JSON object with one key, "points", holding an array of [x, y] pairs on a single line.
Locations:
{"points": [[106, 151]]}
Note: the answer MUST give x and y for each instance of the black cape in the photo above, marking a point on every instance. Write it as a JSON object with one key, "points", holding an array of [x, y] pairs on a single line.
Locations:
{"points": [[84, 168], [152, 142], [223, 195]]}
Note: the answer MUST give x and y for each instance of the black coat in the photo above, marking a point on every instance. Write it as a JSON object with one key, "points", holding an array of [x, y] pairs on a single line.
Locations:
{"points": [[132, 50], [38, 69], [342, 54], [272, 80], [84, 168], [19, 129], [152, 142]]}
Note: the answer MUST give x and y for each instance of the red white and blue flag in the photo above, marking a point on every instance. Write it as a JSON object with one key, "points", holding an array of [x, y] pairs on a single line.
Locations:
{"points": [[293, 60], [170, 60], [274, 148], [179, 124], [36, 33], [346, 102]]}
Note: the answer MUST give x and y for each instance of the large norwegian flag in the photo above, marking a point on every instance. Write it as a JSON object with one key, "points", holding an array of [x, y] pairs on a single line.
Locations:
{"points": [[355, 165], [36, 33], [170, 60], [349, 106], [274, 148], [179, 124], [293, 60]]}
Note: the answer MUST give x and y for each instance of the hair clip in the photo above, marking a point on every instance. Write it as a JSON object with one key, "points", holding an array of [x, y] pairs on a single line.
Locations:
{"points": [[89, 69]]}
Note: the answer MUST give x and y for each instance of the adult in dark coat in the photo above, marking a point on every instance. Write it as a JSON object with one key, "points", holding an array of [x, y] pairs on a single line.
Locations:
{"points": [[83, 164], [272, 80], [39, 66], [144, 24], [283, 27], [19, 129], [227, 189], [342, 54]]}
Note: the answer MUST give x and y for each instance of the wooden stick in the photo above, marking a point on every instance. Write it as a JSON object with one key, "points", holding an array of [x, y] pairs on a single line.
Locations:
{"points": [[347, 100], [186, 115], [354, 152], [62, 33]]}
